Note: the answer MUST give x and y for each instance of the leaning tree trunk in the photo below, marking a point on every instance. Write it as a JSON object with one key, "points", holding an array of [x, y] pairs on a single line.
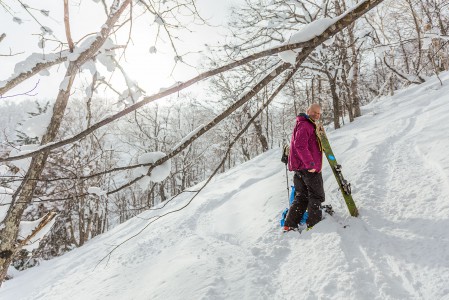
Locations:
{"points": [[24, 194]]}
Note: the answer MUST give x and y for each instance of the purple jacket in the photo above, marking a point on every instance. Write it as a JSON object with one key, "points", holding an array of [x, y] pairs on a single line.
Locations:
{"points": [[305, 153]]}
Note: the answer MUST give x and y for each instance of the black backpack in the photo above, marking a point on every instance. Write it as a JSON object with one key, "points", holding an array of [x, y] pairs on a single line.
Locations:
{"points": [[285, 152]]}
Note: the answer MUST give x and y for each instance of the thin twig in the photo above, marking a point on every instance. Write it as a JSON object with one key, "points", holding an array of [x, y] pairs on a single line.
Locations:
{"points": [[23, 94]]}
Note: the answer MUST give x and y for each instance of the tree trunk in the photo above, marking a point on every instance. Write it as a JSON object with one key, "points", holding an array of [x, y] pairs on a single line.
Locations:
{"points": [[335, 100], [355, 101], [259, 133]]}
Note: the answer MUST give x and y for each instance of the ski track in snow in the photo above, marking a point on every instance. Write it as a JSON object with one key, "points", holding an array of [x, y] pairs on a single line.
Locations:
{"points": [[227, 243], [401, 216]]}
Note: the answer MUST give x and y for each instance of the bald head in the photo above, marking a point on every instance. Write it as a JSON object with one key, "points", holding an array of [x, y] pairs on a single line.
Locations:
{"points": [[314, 111]]}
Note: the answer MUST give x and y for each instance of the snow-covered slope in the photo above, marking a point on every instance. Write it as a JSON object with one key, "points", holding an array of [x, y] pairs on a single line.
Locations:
{"points": [[227, 243]]}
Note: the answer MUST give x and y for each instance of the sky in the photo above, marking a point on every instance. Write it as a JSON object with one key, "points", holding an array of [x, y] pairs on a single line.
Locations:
{"points": [[151, 71], [228, 244]]}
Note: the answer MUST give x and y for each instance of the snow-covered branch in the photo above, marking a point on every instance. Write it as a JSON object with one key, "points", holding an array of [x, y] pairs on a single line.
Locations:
{"points": [[340, 23]]}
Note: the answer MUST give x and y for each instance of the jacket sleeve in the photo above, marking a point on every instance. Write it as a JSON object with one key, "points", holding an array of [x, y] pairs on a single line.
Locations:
{"points": [[301, 146]]}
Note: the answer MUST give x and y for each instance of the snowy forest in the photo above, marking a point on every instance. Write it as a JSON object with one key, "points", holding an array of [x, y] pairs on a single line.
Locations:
{"points": [[106, 144]]}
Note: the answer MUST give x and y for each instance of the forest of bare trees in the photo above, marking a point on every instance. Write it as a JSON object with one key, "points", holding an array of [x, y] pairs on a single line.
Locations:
{"points": [[93, 168]]}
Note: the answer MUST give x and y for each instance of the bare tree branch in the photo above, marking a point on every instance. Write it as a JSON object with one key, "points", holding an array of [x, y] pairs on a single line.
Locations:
{"points": [[23, 94], [27, 9], [67, 25], [12, 54], [400, 74]]}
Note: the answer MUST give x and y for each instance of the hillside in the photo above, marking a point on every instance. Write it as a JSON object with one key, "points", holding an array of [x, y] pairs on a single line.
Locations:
{"points": [[227, 244]]}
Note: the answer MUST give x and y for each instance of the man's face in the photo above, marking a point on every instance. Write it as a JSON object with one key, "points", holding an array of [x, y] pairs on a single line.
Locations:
{"points": [[314, 113]]}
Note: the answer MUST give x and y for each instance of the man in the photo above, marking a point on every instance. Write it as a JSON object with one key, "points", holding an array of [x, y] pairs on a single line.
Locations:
{"points": [[306, 159]]}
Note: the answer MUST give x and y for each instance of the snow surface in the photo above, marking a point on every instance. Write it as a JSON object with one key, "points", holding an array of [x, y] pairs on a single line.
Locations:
{"points": [[227, 243]]}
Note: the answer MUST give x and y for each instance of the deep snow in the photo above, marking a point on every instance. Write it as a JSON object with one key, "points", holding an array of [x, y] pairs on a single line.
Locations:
{"points": [[227, 243]]}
